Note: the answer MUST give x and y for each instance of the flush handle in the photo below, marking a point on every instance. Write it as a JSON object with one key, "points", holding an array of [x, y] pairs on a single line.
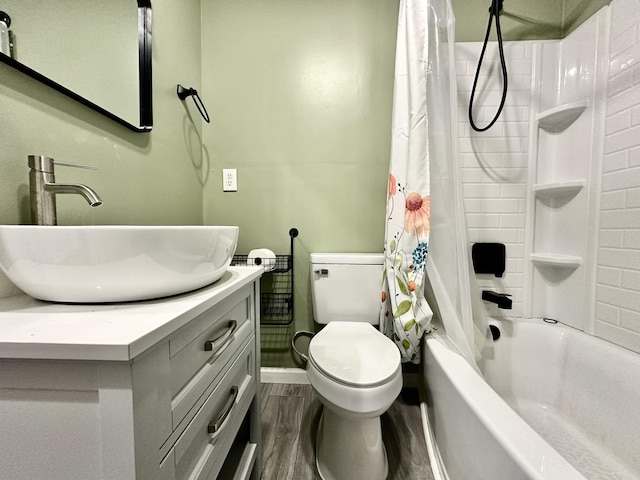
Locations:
{"points": [[323, 272]]}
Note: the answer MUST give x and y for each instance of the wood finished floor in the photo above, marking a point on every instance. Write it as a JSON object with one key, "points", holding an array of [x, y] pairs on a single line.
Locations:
{"points": [[290, 416]]}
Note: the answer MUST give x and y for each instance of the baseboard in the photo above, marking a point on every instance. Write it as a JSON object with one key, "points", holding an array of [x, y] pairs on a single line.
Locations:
{"points": [[283, 375]]}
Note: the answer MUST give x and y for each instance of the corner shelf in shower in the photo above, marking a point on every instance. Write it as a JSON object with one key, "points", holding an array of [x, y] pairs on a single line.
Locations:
{"points": [[558, 119], [556, 260], [558, 189], [276, 287]]}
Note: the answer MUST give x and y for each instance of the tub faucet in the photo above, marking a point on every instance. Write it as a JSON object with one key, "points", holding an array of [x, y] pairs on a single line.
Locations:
{"points": [[500, 299], [43, 189]]}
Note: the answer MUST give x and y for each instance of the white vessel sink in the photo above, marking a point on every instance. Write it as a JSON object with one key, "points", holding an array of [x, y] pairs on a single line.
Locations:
{"points": [[100, 264]]}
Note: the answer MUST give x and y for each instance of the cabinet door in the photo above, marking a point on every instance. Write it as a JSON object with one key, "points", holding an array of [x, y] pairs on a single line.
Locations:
{"points": [[50, 421]]}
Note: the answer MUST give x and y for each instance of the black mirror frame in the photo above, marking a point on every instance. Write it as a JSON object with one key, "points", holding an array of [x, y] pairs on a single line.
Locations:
{"points": [[144, 81]]}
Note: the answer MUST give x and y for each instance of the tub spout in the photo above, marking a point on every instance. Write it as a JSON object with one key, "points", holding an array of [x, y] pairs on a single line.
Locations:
{"points": [[500, 299]]}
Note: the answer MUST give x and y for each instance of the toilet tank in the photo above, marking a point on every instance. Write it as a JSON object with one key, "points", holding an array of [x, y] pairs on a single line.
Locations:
{"points": [[346, 287]]}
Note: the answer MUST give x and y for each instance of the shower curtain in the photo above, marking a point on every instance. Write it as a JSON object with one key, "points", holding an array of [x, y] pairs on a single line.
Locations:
{"points": [[423, 166]]}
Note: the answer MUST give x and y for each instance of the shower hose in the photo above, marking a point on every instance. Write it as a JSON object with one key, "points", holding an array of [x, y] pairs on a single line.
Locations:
{"points": [[494, 11]]}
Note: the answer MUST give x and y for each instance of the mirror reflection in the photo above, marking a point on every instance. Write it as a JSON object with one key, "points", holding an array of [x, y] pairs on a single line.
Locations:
{"points": [[90, 48]]}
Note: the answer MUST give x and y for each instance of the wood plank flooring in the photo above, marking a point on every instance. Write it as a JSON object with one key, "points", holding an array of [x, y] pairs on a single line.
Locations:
{"points": [[290, 416]]}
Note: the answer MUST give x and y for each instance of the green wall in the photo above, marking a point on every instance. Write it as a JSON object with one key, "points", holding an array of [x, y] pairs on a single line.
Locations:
{"points": [[301, 98], [575, 12], [523, 19], [142, 178]]}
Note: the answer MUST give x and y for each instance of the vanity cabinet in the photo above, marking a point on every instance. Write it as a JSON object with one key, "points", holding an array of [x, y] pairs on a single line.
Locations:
{"points": [[176, 397]]}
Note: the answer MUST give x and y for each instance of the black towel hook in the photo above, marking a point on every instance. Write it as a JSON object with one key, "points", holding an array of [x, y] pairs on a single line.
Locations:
{"points": [[183, 93]]}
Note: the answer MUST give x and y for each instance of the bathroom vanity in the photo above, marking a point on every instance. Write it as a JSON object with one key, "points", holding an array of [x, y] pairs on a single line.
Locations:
{"points": [[166, 389]]}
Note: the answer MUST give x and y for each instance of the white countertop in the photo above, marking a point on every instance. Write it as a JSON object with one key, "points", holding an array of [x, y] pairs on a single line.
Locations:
{"points": [[33, 329]]}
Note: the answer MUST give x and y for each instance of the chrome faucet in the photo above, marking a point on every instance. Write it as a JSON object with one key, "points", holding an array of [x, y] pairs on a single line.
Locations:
{"points": [[43, 189]]}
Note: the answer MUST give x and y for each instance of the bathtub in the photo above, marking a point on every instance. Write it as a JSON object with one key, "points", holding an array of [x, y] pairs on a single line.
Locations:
{"points": [[554, 404]]}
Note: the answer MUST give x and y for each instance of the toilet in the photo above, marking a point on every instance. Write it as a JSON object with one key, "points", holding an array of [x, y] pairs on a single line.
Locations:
{"points": [[353, 368]]}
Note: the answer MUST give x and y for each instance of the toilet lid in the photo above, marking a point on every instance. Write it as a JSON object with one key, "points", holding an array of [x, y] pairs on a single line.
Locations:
{"points": [[354, 353]]}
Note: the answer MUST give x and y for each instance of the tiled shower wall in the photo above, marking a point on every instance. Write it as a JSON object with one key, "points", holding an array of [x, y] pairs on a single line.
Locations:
{"points": [[618, 276], [494, 163], [494, 173]]}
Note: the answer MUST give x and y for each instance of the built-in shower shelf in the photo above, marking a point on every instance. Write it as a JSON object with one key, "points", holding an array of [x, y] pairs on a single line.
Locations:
{"points": [[558, 189], [556, 260], [558, 119]]}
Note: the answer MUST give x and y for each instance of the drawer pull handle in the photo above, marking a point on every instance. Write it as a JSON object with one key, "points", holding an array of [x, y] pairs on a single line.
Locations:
{"points": [[220, 340], [214, 427]]}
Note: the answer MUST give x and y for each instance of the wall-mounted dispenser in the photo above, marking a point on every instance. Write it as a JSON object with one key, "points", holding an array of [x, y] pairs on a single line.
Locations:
{"points": [[489, 258]]}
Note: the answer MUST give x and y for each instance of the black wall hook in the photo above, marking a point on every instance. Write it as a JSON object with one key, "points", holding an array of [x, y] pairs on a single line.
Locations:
{"points": [[183, 93]]}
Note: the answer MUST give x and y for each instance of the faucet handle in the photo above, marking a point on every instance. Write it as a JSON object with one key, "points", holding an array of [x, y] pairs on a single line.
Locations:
{"points": [[45, 164], [40, 163], [76, 165]]}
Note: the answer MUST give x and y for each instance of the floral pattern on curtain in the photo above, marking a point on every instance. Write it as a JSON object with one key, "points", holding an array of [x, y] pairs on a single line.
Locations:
{"points": [[405, 314]]}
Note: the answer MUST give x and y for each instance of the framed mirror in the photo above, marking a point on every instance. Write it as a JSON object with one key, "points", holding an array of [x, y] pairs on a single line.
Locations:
{"points": [[97, 53]]}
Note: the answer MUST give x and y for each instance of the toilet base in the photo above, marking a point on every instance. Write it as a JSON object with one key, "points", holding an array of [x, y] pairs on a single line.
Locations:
{"points": [[348, 449]]}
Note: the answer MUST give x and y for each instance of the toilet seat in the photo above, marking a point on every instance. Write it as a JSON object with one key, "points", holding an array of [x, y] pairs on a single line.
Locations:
{"points": [[354, 354]]}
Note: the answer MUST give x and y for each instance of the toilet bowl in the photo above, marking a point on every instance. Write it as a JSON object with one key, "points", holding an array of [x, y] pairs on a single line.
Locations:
{"points": [[356, 373]]}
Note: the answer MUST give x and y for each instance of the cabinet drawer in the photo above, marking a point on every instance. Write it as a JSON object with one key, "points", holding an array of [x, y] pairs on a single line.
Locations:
{"points": [[200, 451], [241, 459], [244, 467], [199, 352]]}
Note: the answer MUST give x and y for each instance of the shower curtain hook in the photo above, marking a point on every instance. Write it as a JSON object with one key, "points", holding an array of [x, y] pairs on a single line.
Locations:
{"points": [[183, 93]]}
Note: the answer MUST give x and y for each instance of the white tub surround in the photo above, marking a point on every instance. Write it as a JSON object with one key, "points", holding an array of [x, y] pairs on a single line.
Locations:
{"points": [[494, 163], [557, 178], [565, 166], [134, 389], [617, 312]]}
